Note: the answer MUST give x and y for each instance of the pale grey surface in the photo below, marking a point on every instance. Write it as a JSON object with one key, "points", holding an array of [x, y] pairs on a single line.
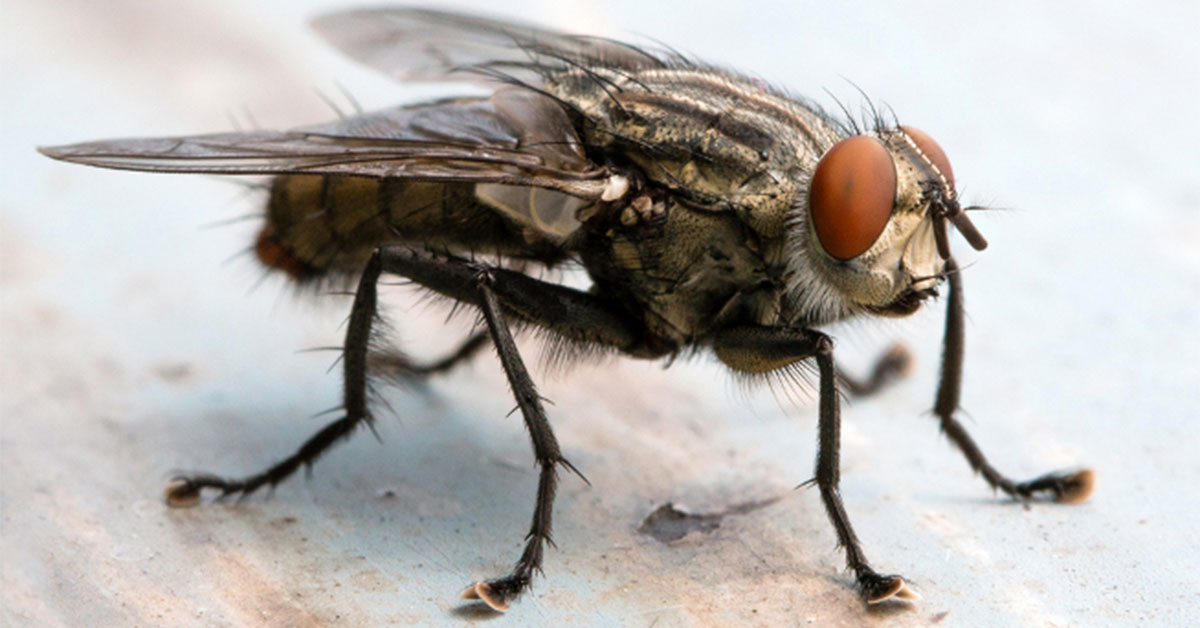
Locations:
{"points": [[130, 350]]}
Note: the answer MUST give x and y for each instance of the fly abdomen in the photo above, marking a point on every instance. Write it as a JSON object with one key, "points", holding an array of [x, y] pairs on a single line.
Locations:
{"points": [[322, 224], [316, 224]]}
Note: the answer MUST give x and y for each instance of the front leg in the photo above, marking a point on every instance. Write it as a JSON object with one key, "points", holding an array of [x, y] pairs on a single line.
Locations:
{"points": [[765, 349], [1070, 487]]}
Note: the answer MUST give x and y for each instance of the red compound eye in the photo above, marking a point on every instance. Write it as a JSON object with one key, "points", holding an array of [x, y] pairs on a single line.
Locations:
{"points": [[851, 196], [932, 151]]}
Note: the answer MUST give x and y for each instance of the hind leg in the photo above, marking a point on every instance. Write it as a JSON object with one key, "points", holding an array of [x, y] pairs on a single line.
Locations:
{"points": [[185, 490]]}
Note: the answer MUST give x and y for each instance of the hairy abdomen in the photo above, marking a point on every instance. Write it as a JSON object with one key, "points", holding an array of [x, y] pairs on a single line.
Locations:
{"points": [[320, 225]]}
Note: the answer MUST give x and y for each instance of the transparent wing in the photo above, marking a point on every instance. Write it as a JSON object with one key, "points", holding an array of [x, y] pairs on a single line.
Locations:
{"points": [[517, 141], [419, 44]]}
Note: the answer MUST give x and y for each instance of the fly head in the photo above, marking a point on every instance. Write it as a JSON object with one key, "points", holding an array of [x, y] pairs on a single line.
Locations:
{"points": [[873, 238]]}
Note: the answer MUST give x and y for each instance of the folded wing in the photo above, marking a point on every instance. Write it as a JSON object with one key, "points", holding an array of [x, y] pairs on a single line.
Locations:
{"points": [[426, 45], [517, 145]]}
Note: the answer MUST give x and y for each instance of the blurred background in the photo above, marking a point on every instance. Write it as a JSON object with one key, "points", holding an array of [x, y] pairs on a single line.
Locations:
{"points": [[137, 339]]}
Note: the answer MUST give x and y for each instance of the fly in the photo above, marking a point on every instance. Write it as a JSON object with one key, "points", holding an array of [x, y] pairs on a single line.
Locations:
{"points": [[709, 211]]}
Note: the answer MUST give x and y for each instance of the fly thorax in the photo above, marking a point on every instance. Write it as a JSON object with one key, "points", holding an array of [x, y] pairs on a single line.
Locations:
{"points": [[720, 141]]}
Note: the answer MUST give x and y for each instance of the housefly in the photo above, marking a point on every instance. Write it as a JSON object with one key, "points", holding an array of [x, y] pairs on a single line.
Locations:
{"points": [[709, 211]]}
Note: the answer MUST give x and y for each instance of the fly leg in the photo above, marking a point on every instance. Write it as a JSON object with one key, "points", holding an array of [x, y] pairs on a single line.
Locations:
{"points": [[498, 592], [895, 363], [499, 293], [502, 294], [185, 490], [764, 349], [400, 367], [1069, 487]]}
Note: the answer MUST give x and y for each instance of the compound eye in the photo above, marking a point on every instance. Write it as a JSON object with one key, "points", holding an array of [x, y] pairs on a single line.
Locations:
{"points": [[932, 151], [851, 196]]}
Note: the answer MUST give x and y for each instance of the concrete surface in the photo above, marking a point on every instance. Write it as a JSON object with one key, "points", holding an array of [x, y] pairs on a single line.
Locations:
{"points": [[130, 350]]}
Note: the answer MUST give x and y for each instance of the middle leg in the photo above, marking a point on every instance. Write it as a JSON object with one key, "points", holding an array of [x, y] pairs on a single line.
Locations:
{"points": [[399, 367], [764, 349], [895, 363]]}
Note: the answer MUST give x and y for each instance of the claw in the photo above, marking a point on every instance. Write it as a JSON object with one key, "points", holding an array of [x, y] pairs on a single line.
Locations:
{"points": [[1068, 487], [898, 360], [877, 588], [182, 493], [484, 592], [907, 593], [1076, 487]]}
